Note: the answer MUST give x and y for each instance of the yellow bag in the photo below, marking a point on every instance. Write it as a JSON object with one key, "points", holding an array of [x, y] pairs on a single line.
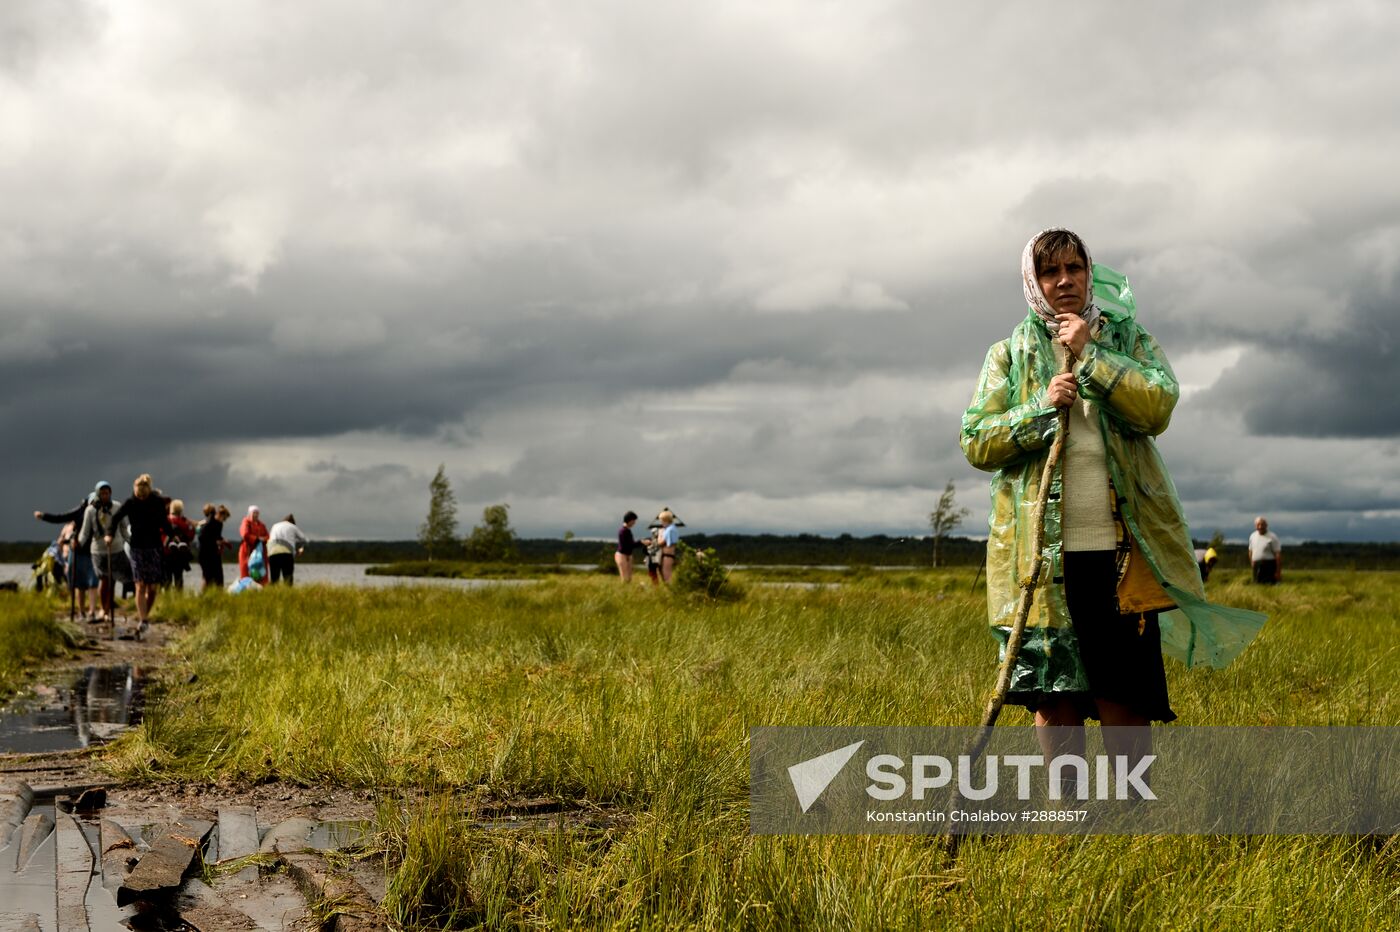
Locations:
{"points": [[1138, 589]]}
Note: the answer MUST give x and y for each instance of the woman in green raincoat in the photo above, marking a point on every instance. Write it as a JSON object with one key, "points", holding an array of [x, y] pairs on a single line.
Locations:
{"points": [[1117, 552]]}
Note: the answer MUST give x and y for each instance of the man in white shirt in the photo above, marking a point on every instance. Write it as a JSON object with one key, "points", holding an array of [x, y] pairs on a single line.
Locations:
{"points": [[1265, 553]]}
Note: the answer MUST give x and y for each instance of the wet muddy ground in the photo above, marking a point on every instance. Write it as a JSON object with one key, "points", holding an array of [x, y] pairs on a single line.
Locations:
{"points": [[52, 842], [57, 848]]}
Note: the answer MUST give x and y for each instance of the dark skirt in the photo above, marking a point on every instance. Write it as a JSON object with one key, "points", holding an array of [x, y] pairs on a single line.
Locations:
{"points": [[84, 576], [1121, 654], [114, 565], [147, 565]]}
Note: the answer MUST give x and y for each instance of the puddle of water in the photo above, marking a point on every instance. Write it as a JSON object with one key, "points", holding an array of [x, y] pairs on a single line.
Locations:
{"points": [[30, 889], [98, 704], [332, 836]]}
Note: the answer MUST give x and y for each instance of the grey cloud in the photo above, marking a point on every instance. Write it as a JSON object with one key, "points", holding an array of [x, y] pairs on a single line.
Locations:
{"points": [[346, 481], [36, 32], [1341, 385], [214, 481], [1097, 202]]}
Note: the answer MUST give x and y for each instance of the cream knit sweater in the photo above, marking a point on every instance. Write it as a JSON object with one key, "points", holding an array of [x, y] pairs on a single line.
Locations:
{"points": [[1086, 507]]}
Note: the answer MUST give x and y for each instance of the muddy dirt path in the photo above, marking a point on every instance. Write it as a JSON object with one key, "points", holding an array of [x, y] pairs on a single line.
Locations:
{"points": [[79, 850]]}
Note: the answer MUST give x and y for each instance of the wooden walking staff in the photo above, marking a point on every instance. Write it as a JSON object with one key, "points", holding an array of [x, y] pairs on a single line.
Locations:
{"points": [[73, 578], [111, 606], [1023, 611]]}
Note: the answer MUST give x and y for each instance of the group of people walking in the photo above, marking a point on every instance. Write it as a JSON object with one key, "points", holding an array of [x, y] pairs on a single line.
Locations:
{"points": [[145, 542], [660, 547]]}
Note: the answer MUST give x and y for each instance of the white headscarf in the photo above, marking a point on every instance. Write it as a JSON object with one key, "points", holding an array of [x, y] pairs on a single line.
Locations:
{"points": [[1030, 283], [253, 511]]}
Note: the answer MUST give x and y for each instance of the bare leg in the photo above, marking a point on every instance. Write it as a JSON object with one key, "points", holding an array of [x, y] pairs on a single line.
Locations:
{"points": [[145, 599], [1060, 730], [1125, 732], [624, 566]]}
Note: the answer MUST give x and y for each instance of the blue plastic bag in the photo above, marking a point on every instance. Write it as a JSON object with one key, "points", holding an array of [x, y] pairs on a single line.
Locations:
{"points": [[243, 585], [257, 565]]}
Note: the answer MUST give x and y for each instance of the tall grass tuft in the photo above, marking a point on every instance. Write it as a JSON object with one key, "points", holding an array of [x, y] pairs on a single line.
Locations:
{"points": [[29, 634]]}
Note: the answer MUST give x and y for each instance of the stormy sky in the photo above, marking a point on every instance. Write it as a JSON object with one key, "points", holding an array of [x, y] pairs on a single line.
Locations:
{"points": [[742, 259]]}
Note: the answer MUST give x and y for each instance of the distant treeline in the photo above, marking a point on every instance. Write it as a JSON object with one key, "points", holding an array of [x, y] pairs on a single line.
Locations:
{"points": [[796, 549]]}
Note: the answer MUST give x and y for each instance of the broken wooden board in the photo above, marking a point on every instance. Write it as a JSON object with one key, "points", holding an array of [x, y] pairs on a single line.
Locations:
{"points": [[37, 829], [238, 838], [91, 799], [119, 855], [352, 907], [74, 874], [16, 798], [163, 868], [199, 906], [238, 832]]}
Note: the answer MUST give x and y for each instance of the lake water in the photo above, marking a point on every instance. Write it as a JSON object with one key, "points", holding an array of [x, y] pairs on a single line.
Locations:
{"points": [[353, 574], [335, 574]]}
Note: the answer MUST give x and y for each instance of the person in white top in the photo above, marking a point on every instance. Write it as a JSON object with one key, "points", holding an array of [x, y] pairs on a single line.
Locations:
{"points": [[285, 542], [669, 536], [1265, 554]]}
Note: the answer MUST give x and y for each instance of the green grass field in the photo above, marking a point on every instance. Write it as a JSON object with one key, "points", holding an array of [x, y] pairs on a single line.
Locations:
{"points": [[637, 703], [29, 635]]}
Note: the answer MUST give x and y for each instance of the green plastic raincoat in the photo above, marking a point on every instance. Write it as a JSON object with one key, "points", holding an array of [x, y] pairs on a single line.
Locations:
{"points": [[1009, 428]]}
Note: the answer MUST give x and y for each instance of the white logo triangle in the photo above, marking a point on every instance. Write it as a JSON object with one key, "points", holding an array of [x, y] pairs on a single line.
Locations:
{"points": [[811, 777]]}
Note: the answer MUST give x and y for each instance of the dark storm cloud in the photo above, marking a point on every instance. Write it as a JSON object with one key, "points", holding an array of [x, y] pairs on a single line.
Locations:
{"points": [[346, 481], [1339, 384], [230, 378], [745, 256]]}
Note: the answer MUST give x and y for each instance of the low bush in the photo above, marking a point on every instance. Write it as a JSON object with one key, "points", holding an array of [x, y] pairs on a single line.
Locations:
{"points": [[701, 573]]}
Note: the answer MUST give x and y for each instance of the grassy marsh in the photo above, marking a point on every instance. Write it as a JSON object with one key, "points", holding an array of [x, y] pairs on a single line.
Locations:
{"points": [[29, 634], [628, 699]]}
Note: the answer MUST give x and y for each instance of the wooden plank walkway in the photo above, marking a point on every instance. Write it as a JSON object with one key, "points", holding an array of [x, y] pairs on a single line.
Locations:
{"points": [[162, 870], [80, 871], [74, 874]]}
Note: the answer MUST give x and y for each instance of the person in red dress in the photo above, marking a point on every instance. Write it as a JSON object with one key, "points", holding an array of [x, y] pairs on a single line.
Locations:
{"points": [[254, 534]]}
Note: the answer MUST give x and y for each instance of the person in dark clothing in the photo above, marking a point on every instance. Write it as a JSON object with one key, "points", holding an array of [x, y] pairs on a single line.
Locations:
{"points": [[81, 574], [176, 550], [146, 511], [212, 545], [626, 546]]}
